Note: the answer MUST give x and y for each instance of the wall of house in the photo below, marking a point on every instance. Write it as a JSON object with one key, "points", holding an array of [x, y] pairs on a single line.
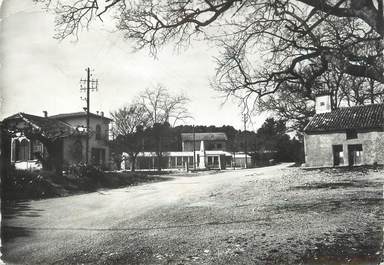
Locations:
{"points": [[94, 142], [319, 152], [209, 145], [71, 148]]}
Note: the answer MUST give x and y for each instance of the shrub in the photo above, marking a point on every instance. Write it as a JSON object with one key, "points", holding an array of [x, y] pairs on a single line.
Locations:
{"points": [[86, 171], [23, 184]]}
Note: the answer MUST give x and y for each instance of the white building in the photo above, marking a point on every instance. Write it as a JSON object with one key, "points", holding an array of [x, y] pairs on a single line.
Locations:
{"points": [[199, 151]]}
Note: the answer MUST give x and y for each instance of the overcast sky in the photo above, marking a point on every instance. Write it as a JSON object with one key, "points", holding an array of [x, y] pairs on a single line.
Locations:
{"points": [[40, 73]]}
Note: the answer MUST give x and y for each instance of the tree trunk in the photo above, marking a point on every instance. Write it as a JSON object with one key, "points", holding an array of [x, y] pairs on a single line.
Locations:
{"points": [[159, 156], [132, 160]]}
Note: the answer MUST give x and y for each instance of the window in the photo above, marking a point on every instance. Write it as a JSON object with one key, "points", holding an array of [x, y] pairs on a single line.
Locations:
{"points": [[322, 103], [179, 160], [338, 155], [37, 149], [219, 146], [172, 160], [216, 160], [351, 134], [98, 132], [23, 150]]}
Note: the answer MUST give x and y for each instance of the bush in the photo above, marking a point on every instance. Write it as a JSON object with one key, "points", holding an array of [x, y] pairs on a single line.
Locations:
{"points": [[88, 177], [23, 184], [84, 171]]}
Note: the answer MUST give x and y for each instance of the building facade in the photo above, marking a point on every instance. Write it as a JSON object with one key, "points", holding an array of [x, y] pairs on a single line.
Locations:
{"points": [[68, 131], [212, 141], [99, 152], [199, 151], [344, 137]]}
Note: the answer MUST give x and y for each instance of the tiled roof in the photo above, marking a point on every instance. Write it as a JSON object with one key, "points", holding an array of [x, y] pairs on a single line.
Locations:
{"points": [[49, 127], [216, 136], [357, 117], [77, 114]]}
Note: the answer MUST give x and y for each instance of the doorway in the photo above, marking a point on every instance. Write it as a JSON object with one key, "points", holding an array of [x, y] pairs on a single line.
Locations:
{"points": [[338, 155], [355, 152], [98, 156]]}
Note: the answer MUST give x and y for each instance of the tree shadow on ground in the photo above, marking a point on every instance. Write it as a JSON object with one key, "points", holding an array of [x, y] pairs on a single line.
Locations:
{"points": [[347, 247], [339, 185], [10, 233], [10, 210], [330, 205]]}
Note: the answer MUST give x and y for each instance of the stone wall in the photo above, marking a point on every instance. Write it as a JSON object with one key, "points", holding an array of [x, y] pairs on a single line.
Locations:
{"points": [[319, 152]]}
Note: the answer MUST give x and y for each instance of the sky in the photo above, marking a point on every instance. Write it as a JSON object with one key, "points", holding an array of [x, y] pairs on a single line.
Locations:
{"points": [[41, 73]]}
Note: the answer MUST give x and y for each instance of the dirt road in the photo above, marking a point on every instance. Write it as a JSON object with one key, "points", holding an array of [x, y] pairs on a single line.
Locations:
{"points": [[273, 215]]}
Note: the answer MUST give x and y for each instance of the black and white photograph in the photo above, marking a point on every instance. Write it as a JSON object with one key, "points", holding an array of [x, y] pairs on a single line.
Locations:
{"points": [[196, 132]]}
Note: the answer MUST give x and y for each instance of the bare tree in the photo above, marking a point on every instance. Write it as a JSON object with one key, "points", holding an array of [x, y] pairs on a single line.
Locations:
{"points": [[128, 118], [268, 47], [370, 11], [161, 106], [288, 106], [293, 24], [149, 113], [129, 124], [150, 18]]}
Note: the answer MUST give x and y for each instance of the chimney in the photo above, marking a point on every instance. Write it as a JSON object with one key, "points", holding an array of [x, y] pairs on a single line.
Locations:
{"points": [[102, 114], [323, 103], [45, 113]]}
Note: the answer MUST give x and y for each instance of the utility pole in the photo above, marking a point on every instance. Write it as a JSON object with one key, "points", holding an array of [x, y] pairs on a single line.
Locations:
{"points": [[90, 85], [245, 140]]}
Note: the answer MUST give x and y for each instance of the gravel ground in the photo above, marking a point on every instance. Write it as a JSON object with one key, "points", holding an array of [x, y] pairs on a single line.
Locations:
{"points": [[298, 217], [266, 216]]}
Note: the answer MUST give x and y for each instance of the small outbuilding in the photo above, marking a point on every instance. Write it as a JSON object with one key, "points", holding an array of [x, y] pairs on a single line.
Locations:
{"points": [[344, 137]]}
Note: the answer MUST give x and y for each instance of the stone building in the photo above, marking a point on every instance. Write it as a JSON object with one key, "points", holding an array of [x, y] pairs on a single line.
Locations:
{"points": [[98, 139], [344, 137], [67, 131]]}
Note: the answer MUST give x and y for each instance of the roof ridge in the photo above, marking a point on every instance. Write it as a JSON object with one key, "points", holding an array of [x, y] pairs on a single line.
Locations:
{"points": [[78, 113], [203, 132], [361, 106]]}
